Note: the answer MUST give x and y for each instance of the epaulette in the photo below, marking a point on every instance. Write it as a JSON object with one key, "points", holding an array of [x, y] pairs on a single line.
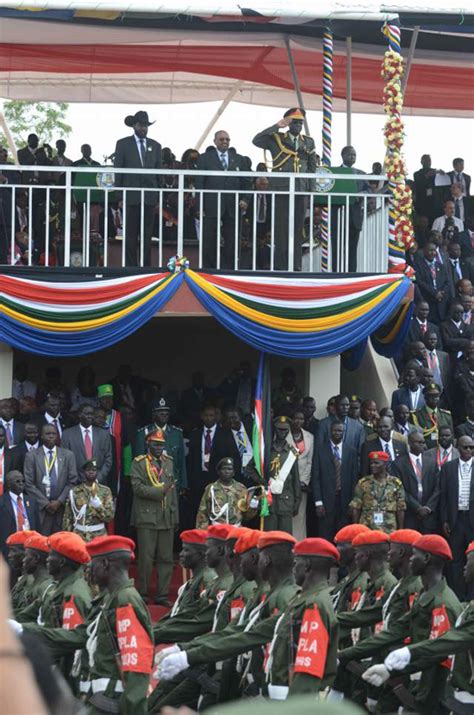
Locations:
{"points": [[399, 481], [363, 479], [176, 428], [446, 412], [140, 458], [167, 456]]}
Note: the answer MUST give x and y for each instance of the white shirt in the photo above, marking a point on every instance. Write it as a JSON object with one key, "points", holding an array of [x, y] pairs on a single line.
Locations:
{"points": [[139, 146], [389, 447], [27, 388], [88, 430], [50, 420], [31, 447], [438, 223], [464, 482], [414, 397], [417, 460], [212, 430], [14, 500], [223, 155]]}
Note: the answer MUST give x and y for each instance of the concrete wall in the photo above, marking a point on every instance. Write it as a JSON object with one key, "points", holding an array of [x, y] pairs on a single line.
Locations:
{"points": [[374, 378]]}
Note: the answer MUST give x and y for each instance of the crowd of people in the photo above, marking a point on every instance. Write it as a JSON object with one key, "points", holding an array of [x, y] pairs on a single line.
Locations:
{"points": [[246, 212]]}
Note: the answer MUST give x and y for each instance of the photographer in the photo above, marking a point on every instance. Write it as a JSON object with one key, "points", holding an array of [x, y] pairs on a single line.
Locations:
{"points": [[448, 223]]}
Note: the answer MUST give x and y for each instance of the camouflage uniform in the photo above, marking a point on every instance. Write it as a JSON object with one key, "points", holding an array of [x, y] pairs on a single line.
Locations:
{"points": [[431, 421], [374, 497], [84, 519], [219, 504]]}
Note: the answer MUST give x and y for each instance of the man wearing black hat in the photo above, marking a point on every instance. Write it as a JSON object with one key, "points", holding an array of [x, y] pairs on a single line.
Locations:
{"points": [[295, 153], [137, 152]]}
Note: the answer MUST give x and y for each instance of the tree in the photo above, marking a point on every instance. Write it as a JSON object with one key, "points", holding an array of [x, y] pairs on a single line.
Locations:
{"points": [[46, 119]]}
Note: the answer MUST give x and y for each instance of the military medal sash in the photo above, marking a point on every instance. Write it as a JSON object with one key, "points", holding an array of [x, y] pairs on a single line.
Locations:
{"points": [[278, 482]]}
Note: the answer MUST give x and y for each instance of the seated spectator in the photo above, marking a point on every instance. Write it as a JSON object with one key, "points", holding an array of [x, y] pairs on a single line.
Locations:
{"points": [[382, 441], [222, 500], [90, 505], [410, 393], [420, 480], [433, 283], [303, 442], [21, 386], [448, 222]]}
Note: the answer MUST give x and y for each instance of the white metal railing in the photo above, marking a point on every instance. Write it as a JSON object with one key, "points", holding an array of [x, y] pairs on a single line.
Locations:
{"points": [[70, 210]]}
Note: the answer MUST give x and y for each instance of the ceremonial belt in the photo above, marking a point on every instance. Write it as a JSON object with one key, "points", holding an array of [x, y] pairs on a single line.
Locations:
{"points": [[278, 692], [89, 529], [277, 483], [100, 684]]}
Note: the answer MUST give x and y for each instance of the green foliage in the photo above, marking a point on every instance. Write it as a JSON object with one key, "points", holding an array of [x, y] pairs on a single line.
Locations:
{"points": [[46, 119]]}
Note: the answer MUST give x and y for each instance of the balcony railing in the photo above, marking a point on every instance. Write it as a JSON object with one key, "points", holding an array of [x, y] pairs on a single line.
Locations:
{"points": [[76, 216]]}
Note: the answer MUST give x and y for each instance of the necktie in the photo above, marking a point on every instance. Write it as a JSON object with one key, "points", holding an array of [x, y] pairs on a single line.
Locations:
{"points": [[387, 449], [224, 161], [207, 442], [21, 392], [8, 434], [53, 475], [117, 219], [458, 178], [423, 328], [241, 442], [457, 209], [261, 208], [433, 272], [20, 513], [88, 444], [142, 151], [337, 467]]}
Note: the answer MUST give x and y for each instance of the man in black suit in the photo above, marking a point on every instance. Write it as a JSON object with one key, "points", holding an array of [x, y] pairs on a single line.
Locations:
{"points": [[382, 441], [458, 267], [419, 477], [18, 511], [334, 476], [438, 362], [467, 428], [460, 201], [137, 152], [420, 325], [410, 393], [424, 188], [201, 441], [7, 458], [14, 430], [193, 399], [458, 175], [28, 444], [311, 423], [221, 157], [354, 433], [52, 415], [456, 334], [233, 440], [433, 282], [457, 510]]}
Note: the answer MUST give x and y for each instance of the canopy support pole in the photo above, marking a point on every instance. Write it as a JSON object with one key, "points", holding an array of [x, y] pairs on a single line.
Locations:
{"points": [[411, 54], [9, 137], [349, 91], [220, 110], [296, 81]]}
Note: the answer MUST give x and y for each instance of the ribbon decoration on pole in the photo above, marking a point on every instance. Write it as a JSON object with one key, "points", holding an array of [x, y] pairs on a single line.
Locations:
{"points": [[400, 225], [327, 132]]}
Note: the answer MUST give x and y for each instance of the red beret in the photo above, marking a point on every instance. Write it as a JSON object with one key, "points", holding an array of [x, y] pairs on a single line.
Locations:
{"points": [[317, 547], [219, 531], [371, 537], [247, 541], [18, 538], [434, 544], [405, 536], [103, 545], [470, 548], [348, 533], [69, 545], [270, 538], [383, 456], [156, 436], [237, 531], [38, 542], [194, 536]]}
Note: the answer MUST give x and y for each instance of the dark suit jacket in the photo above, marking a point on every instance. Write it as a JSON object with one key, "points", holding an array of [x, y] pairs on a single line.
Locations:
{"points": [[264, 226], [467, 271], [224, 446], [454, 338], [127, 157], [197, 478], [313, 426], [402, 397], [467, 180], [210, 161], [354, 433], [64, 422], [375, 445], [449, 484], [18, 454], [464, 429], [403, 469], [8, 521], [415, 334], [424, 281], [324, 476], [18, 432], [11, 461], [101, 450]]}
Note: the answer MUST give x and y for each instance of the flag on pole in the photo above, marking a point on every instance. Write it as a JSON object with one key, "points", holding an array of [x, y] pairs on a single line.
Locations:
{"points": [[262, 429]]}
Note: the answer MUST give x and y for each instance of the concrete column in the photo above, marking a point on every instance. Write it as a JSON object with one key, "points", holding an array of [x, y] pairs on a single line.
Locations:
{"points": [[375, 378], [6, 370], [323, 380]]}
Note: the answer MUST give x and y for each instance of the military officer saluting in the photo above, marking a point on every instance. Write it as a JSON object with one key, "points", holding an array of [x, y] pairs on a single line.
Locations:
{"points": [[90, 506], [379, 500], [431, 418], [154, 514], [221, 499], [292, 152]]}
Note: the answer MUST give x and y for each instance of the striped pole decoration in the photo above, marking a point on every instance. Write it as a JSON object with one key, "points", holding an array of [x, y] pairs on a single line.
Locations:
{"points": [[327, 131]]}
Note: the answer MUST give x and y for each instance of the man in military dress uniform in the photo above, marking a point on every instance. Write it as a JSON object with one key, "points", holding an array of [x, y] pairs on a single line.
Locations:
{"points": [[292, 152], [220, 501], [432, 418], [174, 443], [90, 505], [154, 514], [379, 500], [282, 478]]}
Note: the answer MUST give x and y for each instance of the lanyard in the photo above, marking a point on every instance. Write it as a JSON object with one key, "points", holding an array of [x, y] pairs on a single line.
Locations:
{"points": [[440, 461], [49, 464]]}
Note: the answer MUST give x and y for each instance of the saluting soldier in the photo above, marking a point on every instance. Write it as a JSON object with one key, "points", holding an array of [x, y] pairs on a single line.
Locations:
{"points": [[282, 480], [90, 505], [154, 514], [34, 565], [379, 500], [21, 591], [292, 152], [220, 501], [432, 418]]}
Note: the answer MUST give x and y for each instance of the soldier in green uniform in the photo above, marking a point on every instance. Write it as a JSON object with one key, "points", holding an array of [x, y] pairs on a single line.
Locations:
{"points": [[21, 591], [379, 500], [34, 565], [220, 501], [431, 418], [174, 443], [457, 642], [90, 506], [292, 152], [433, 613], [282, 479], [154, 514]]}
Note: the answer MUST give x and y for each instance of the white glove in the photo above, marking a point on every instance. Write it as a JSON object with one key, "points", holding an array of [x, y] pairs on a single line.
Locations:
{"points": [[95, 502], [376, 675], [172, 665], [161, 655], [15, 626], [398, 659]]}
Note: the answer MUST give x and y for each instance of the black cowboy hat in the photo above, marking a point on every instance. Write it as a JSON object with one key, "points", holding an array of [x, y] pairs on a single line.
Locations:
{"points": [[140, 117]]}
